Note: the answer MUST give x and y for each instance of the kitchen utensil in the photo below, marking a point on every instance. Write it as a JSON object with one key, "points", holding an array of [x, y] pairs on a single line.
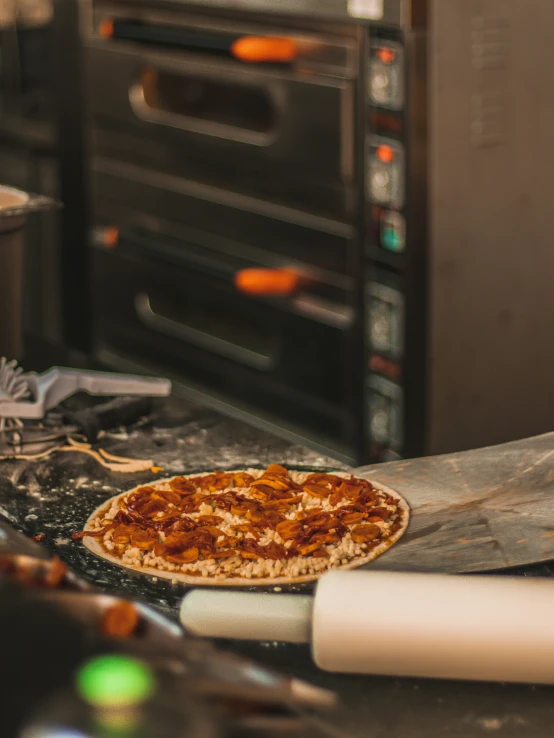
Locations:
{"points": [[474, 511], [83, 425], [51, 387], [419, 625], [88, 423], [14, 543], [13, 387], [31, 395], [15, 206]]}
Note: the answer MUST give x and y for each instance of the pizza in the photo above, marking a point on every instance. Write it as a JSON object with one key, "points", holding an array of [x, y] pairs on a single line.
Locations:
{"points": [[247, 527]]}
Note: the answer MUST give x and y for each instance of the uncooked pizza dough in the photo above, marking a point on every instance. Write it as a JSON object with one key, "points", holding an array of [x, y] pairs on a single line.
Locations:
{"points": [[247, 527]]}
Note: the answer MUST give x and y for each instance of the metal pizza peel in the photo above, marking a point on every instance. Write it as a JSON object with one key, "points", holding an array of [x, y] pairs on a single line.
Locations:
{"points": [[474, 511]]}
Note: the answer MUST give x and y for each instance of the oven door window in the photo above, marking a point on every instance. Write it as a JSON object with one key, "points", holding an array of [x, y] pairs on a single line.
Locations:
{"points": [[180, 98]]}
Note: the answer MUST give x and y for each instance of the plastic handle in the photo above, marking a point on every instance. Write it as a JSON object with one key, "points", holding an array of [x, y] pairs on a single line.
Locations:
{"points": [[268, 282], [248, 616], [256, 49], [68, 381], [55, 385], [106, 28]]}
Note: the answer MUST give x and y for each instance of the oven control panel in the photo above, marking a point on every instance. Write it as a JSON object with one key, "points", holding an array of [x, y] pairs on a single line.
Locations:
{"points": [[384, 320], [386, 243], [386, 74], [386, 172], [386, 148]]}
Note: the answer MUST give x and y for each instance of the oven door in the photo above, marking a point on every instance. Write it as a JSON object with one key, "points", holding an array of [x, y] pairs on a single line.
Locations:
{"points": [[124, 194], [280, 134], [171, 309]]}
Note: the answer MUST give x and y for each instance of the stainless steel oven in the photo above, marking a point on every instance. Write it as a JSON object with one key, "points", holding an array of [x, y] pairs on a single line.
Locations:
{"points": [[181, 106], [329, 218]]}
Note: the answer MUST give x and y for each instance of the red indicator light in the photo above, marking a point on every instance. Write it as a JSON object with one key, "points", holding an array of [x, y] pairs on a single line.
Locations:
{"points": [[386, 367], [386, 154], [387, 56]]}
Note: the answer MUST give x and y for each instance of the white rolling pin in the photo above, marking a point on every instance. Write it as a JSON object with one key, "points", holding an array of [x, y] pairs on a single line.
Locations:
{"points": [[385, 623]]}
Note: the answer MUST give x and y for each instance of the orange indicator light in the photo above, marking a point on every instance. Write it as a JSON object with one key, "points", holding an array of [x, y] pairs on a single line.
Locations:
{"points": [[385, 153], [387, 56]]}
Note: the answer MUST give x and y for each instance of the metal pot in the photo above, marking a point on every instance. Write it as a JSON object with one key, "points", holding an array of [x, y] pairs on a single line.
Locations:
{"points": [[15, 206]]}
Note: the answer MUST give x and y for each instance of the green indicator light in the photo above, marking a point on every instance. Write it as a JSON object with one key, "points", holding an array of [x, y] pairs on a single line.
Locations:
{"points": [[391, 240], [115, 681]]}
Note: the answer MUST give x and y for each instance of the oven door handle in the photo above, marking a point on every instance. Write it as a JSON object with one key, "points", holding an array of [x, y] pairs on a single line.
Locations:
{"points": [[148, 114], [200, 339], [288, 285]]}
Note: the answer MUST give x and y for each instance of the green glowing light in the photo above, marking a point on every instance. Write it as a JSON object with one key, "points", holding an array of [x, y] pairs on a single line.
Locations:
{"points": [[115, 681], [391, 240]]}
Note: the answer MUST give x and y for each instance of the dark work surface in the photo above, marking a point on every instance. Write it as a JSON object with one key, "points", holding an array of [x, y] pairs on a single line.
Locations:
{"points": [[55, 497]]}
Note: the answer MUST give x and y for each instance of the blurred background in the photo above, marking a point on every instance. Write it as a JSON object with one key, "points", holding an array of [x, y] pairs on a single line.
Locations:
{"points": [[330, 219]]}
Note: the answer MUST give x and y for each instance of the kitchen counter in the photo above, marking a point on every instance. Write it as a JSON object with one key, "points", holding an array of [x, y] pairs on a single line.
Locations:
{"points": [[56, 495]]}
